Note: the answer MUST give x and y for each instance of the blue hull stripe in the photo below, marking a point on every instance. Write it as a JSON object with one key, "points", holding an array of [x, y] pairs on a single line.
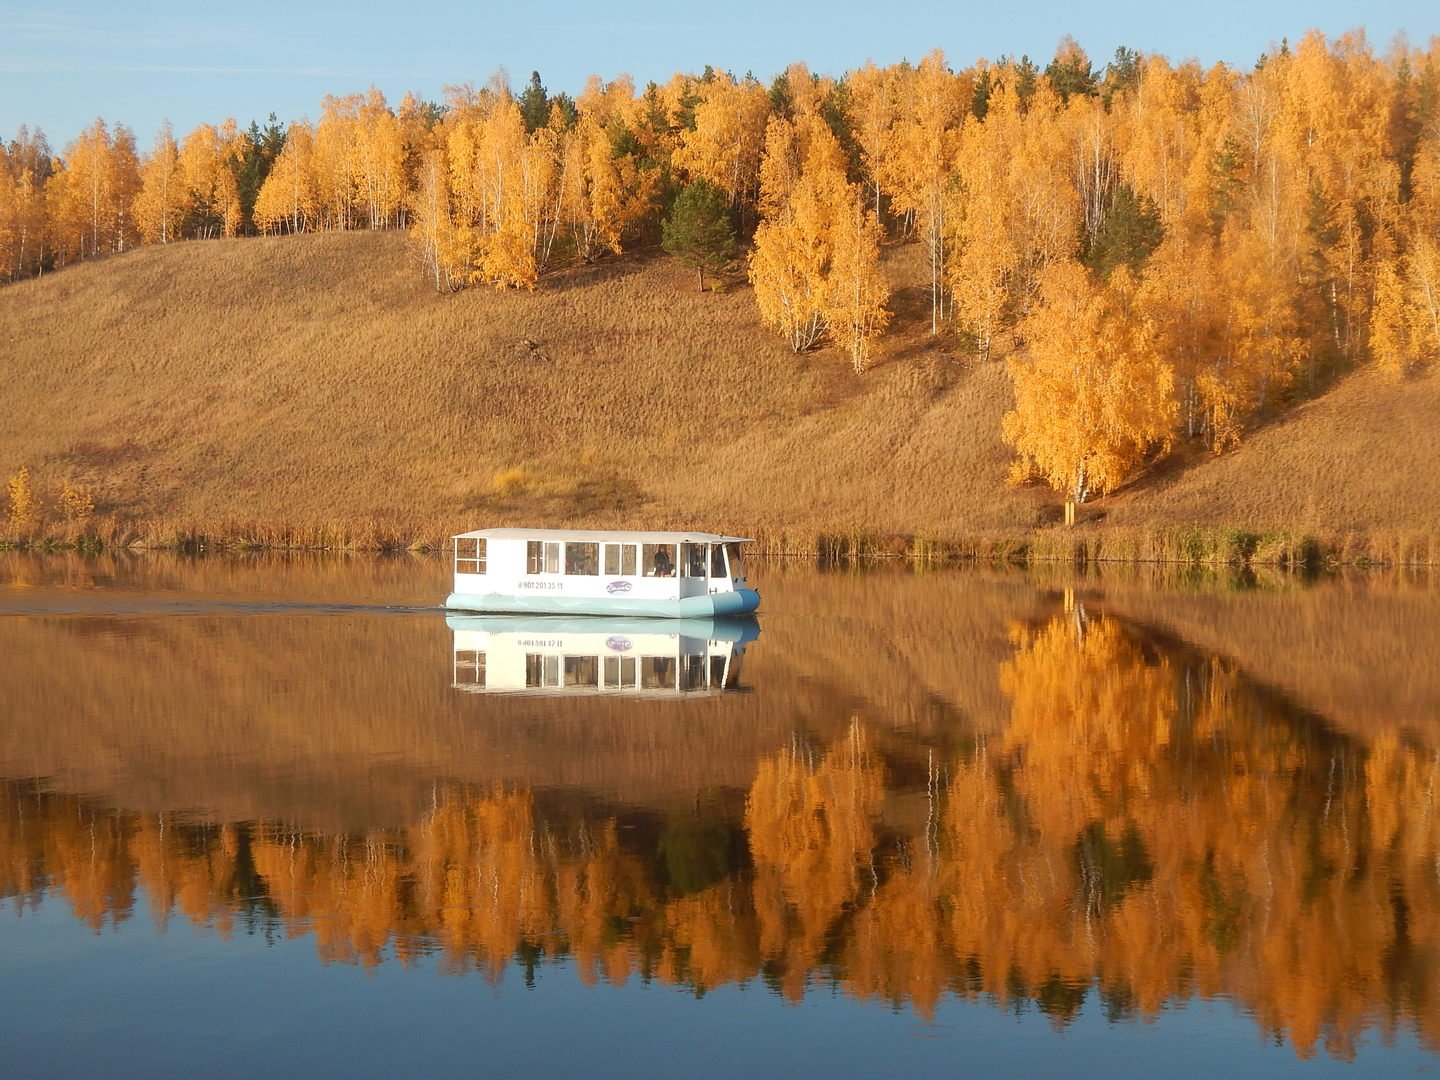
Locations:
{"points": [[737, 629], [739, 602]]}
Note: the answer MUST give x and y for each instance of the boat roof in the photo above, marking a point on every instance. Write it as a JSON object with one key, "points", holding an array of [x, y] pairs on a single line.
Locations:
{"points": [[599, 535]]}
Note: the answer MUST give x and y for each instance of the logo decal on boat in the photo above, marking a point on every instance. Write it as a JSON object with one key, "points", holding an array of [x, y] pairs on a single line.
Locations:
{"points": [[618, 644], [618, 586]]}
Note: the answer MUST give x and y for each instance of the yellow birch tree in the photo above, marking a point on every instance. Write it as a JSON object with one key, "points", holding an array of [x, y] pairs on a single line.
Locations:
{"points": [[1014, 209], [160, 205], [816, 262], [89, 197], [23, 222], [920, 159], [728, 141], [872, 109], [336, 160], [9, 217], [378, 166], [801, 176], [213, 198], [856, 306], [289, 200], [788, 268], [431, 229], [1092, 395]]}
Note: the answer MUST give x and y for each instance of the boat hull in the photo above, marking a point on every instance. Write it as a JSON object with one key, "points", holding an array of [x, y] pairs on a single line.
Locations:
{"points": [[734, 629], [705, 606]]}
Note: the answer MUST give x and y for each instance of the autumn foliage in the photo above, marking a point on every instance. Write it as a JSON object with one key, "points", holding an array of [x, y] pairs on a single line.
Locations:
{"points": [[1093, 393], [1233, 238], [816, 261]]}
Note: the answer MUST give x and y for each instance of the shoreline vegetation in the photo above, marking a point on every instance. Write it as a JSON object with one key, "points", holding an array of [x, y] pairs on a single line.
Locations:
{"points": [[1140, 312], [1080, 546]]}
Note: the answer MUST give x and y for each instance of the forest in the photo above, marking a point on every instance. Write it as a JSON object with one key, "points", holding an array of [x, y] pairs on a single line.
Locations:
{"points": [[1160, 255]]}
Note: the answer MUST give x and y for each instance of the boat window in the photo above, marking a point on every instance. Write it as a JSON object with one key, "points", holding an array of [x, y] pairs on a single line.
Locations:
{"points": [[695, 670], [469, 555], [657, 672], [694, 557], [621, 559], [582, 558], [469, 668], [659, 560], [737, 561], [542, 557], [620, 671], [582, 671], [542, 670], [717, 560]]}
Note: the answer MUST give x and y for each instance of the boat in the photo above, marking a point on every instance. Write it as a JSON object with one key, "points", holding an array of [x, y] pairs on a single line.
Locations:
{"points": [[565, 655], [666, 575]]}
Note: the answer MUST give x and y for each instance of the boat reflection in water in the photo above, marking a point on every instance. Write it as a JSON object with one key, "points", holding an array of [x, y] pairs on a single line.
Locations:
{"points": [[598, 655]]}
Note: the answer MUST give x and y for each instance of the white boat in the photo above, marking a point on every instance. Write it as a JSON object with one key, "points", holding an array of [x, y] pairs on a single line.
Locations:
{"points": [[605, 655], [674, 575]]}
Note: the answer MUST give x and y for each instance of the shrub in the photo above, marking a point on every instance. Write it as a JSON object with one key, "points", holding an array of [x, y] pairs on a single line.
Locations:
{"points": [[24, 507]]}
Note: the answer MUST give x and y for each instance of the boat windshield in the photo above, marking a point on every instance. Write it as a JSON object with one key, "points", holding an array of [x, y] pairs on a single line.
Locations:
{"points": [[737, 561]]}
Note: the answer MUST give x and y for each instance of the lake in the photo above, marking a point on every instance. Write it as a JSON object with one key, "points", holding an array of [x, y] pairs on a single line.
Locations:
{"points": [[266, 815]]}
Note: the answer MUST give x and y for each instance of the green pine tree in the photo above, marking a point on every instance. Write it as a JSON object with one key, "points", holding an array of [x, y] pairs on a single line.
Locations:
{"points": [[699, 231], [534, 104]]}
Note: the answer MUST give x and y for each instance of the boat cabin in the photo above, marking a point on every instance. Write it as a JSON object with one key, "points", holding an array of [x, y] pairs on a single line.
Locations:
{"points": [[575, 571]]}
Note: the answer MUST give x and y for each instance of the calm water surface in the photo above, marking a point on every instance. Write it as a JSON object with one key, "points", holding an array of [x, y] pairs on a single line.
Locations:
{"points": [[282, 817]]}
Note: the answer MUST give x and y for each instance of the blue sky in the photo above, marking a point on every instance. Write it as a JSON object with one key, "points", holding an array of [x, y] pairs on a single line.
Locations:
{"points": [[65, 62]]}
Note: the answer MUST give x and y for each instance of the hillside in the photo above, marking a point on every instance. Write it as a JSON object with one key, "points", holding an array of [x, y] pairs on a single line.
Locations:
{"points": [[1364, 456], [316, 382]]}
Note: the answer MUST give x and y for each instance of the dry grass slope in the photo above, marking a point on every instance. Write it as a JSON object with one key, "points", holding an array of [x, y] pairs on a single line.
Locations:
{"points": [[312, 389], [1362, 457], [316, 380]]}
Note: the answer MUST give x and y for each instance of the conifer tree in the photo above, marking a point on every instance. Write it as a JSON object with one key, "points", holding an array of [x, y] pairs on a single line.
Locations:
{"points": [[534, 104], [699, 231]]}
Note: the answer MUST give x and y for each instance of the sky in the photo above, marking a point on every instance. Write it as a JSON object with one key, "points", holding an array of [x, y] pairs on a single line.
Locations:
{"points": [[65, 62]]}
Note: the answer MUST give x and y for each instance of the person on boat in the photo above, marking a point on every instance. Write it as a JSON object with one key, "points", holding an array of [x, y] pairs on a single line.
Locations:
{"points": [[663, 566]]}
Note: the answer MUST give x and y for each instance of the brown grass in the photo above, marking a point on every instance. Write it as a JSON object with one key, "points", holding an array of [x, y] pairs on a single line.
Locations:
{"points": [[1362, 458], [311, 391]]}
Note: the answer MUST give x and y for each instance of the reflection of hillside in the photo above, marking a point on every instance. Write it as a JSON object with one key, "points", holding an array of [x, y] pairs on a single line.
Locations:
{"points": [[1360, 651], [338, 723], [116, 580], [344, 722], [1150, 822], [908, 650]]}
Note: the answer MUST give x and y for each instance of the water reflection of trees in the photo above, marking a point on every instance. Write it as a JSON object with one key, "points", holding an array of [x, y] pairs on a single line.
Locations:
{"points": [[1150, 825]]}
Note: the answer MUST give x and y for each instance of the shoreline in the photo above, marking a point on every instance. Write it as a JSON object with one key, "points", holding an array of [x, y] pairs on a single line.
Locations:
{"points": [[1297, 550]]}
